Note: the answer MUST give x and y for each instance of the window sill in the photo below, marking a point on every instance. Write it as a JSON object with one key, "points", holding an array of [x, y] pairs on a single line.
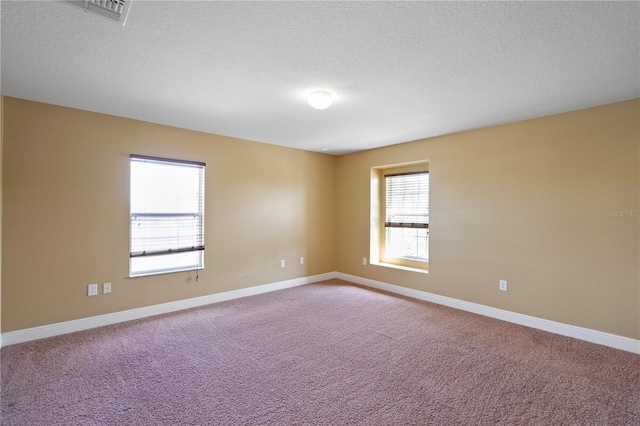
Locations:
{"points": [[403, 268], [163, 272]]}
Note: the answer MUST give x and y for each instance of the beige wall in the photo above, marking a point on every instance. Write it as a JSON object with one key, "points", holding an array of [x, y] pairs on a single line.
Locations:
{"points": [[534, 202], [66, 177], [526, 202], [1, 145]]}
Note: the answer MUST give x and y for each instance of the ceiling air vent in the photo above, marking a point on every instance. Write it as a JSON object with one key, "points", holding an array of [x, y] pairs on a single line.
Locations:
{"points": [[112, 9]]}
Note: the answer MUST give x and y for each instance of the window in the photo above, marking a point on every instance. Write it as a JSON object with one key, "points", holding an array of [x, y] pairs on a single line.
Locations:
{"points": [[407, 216], [399, 227], [167, 215]]}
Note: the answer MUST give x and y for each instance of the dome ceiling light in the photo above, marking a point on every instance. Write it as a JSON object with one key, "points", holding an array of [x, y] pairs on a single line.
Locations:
{"points": [[320, 99]]}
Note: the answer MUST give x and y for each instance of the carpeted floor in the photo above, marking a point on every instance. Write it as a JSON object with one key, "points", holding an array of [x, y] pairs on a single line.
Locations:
{"points": [[321, 354]]}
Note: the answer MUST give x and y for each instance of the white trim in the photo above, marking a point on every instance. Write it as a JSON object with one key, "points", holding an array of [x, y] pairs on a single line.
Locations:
{"points": [[593, 336], [28, 334]]}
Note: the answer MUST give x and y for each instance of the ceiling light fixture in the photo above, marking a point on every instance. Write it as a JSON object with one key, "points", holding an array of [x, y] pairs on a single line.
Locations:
{"points": [[320, 99]]}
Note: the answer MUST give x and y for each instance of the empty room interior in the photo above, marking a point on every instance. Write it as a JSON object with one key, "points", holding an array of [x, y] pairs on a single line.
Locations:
{"points": [[320, 213]]}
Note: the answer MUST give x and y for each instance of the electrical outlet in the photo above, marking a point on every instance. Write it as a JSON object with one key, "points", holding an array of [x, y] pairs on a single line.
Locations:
{"points": [[106, 288], [364, 261], [93, 290], [282, 263], [503, 285], [302, 260]]}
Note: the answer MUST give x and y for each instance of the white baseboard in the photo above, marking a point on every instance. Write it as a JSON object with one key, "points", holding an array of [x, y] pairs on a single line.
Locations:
{"points": [[28, 334], [594, 336]]}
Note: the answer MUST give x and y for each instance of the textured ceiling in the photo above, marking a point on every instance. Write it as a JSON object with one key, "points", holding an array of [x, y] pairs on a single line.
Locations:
{"points": [[400, 71]]}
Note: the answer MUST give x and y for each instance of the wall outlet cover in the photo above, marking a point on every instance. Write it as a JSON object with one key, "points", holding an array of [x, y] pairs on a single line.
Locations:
{"points": [[92, 290]]}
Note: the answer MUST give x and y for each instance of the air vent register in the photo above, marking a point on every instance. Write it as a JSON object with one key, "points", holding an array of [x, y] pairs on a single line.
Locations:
{"points": [[116, 10]]}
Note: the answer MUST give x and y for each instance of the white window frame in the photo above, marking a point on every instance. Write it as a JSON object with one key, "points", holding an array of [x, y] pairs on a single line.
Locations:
{"points": [[378, 230], [167, 222]]}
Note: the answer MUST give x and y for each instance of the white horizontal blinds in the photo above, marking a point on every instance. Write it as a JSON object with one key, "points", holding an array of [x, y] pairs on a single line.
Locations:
{"points": [[167, 206], [407, 200]]}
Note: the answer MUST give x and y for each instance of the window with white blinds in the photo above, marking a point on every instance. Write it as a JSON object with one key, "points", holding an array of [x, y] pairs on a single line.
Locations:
{"points": [[167, 215], [407, 215]]}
